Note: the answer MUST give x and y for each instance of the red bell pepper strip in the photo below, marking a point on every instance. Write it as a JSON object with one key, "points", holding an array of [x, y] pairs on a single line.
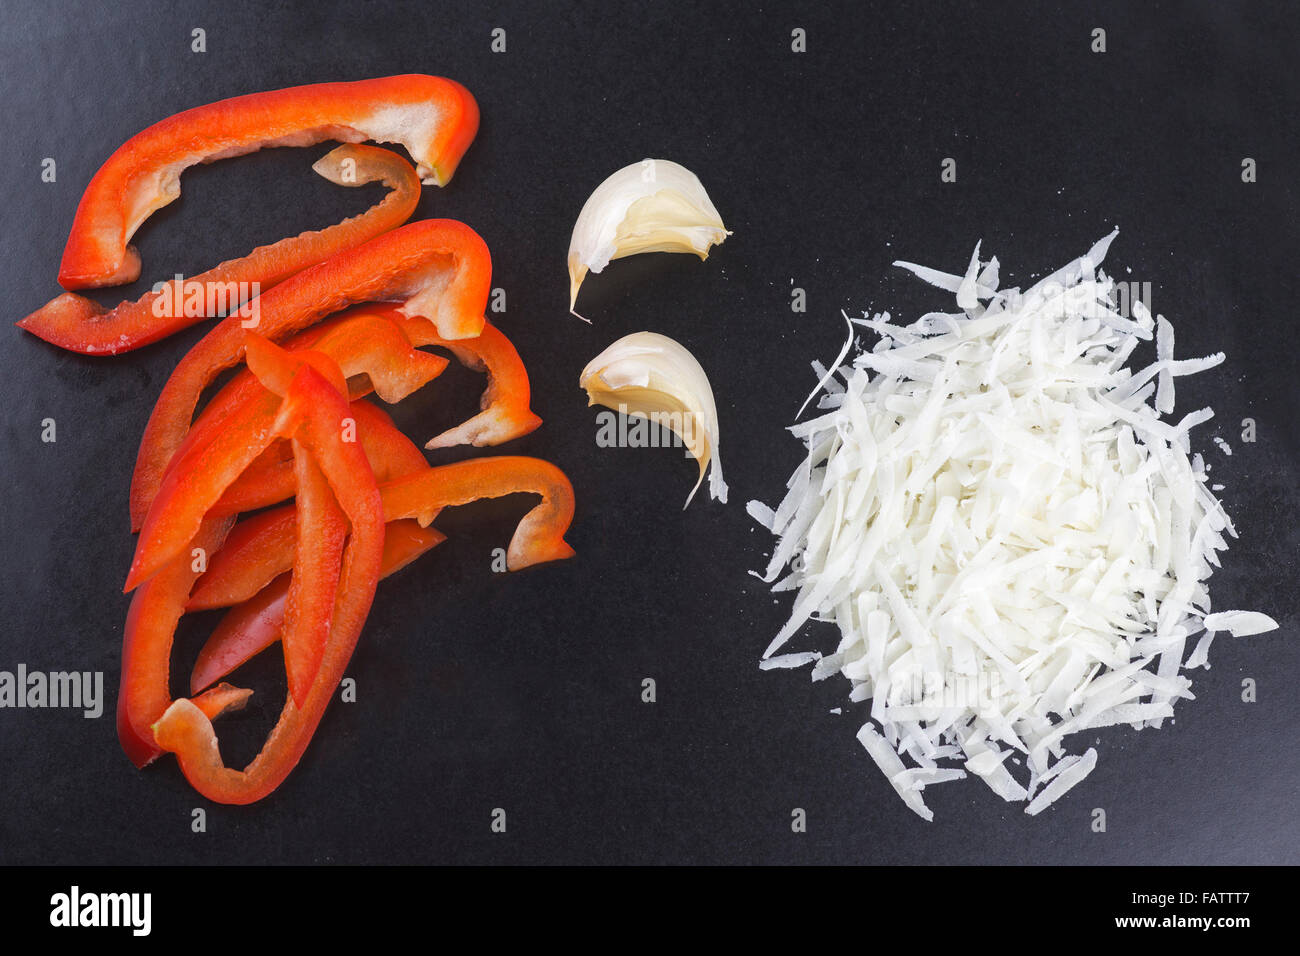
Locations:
{"points": [[379, 349], [147, 644], [505, 414], [318, 557], [266, 481], [539, 537], [315, 409], [217, 700], [434, 118], [201, 475], [257, 621], [404, 541], [79, 324], [261, 547], [247, 629], [257, 550], [440, 269]]}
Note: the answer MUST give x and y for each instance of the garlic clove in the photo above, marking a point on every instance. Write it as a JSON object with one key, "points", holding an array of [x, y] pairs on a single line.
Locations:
{"points": [[655, 205], [649, 375]]}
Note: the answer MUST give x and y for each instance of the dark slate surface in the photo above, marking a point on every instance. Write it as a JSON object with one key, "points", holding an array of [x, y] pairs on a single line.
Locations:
{"points": [[478, 690]]}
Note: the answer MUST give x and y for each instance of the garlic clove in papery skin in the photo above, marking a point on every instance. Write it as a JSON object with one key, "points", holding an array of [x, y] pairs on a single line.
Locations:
{"points": [[650, 375], [655, 205]]}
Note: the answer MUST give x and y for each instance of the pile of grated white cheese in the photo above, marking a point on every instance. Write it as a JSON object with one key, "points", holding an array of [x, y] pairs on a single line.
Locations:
{"points": [[1013, 543]]}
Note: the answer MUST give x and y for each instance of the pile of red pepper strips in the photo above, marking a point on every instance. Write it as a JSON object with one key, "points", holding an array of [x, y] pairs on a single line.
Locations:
{"points": [[295, 423]]}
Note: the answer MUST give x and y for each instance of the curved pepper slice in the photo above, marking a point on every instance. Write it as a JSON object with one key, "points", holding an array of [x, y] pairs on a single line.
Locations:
{"points": [[270, 479], [201, 475], [434, 118], [246, 630], [321, 529], [380, 350], [257, 550], [439, 268], [147, 644], [317, 409], [539, 537], [506, 413], [217, 700], [261, 547], [267, 480], [79, 324], [256, 622]]}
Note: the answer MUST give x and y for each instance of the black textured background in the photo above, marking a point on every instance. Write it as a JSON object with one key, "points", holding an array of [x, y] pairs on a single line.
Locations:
{"points": [[479, 690]]}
